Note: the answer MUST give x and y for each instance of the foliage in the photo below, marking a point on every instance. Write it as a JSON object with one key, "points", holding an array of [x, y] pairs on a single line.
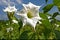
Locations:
{"points": [[48, 7]]}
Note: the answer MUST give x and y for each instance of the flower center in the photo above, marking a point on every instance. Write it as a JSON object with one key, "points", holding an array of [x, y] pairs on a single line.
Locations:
{"points": [[29, 14]]}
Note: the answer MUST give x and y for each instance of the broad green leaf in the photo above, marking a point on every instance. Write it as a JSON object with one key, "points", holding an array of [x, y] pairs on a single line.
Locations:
{"points": [[57, 33], [59, 8], [47, 25], [24, 35], [57, 3], [42, 36], [1, 34], [51, 35], [45, 21], [47, 8], [40, 28], [20, 24], [55, 14], [58, 23], [57, 28], [34, 36]]}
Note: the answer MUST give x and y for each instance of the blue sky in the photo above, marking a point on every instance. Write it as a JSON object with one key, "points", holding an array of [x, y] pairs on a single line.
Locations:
{"points": [[18, 5]]}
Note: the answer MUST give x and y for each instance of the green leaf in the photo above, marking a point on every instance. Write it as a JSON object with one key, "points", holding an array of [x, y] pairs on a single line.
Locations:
{"points": [[24, 35], [47, 25], [20, 24], [59, 8], [57, 3], [42, 36], [34, 36], [55, 14], [58, 23], [47, 8], [57, 33], [57, 28], [1, 34], [45, 20], [40, 28]]}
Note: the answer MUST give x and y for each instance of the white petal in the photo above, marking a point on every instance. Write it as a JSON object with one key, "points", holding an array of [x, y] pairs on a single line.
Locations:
{"points": [[31, 22], [14, 21], [22, 13], [25, 6], [24, 22], [49, 17], [40, 22], [10, 9], [34, 6], [5, 10], [37, 18]]}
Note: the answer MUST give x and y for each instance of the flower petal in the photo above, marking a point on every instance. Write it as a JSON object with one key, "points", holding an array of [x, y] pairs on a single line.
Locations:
{"points": [[10, 9]]}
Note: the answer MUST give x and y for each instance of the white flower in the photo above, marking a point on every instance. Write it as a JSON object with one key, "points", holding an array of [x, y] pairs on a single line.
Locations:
{"points": [[10, 9], [14, 21], [49, 17], [30, 14], [50, 20], [57, 25], [9, 29]]}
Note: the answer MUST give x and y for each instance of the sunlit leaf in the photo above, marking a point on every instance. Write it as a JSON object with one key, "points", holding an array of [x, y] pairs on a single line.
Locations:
{"points": [[1, 34], [45, 21], [24, 35], [57, 3], [55, 14], [20, 24], [48, 8], [57, 34]]}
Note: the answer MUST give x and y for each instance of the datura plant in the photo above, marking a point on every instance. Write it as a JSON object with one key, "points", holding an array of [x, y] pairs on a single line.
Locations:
{"points": [[30, 14], [11, 27], [10, 10]]}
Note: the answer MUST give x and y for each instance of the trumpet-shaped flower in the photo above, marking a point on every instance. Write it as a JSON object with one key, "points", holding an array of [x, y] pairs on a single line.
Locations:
{"points": [[10, 9], [10, 13], [30, 14]]}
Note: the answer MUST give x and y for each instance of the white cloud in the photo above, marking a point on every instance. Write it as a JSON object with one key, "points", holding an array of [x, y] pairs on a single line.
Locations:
{"points": [[19, 1], [3, 2], [7, 2]]}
